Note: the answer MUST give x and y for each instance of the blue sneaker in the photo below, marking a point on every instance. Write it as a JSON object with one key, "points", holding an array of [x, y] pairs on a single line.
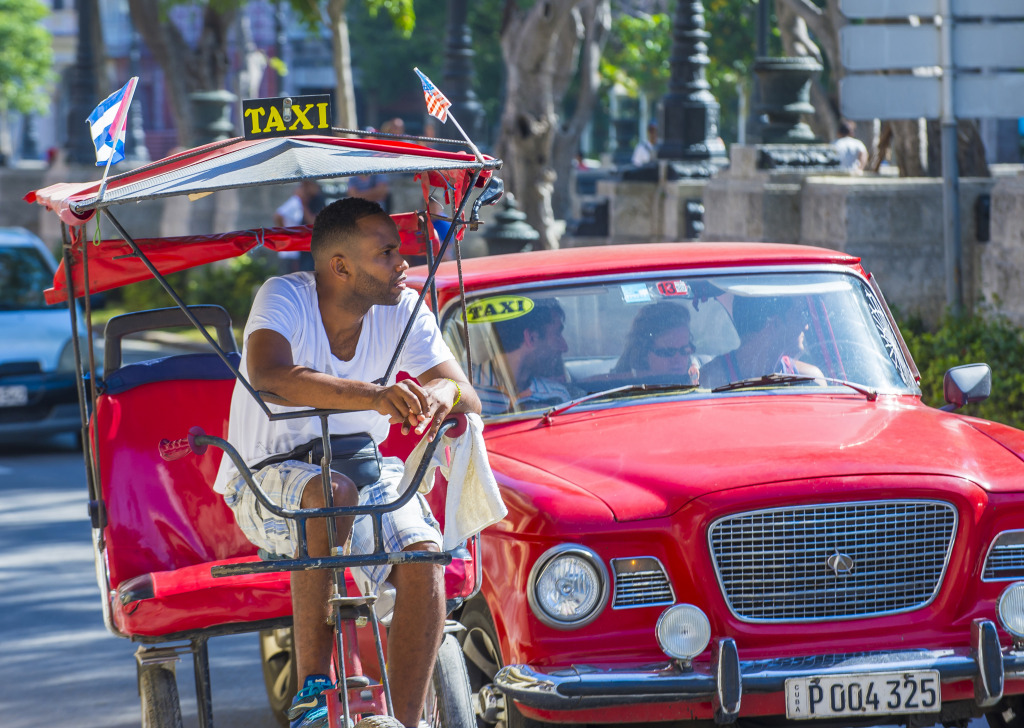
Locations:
{"points": [[309, 708]]}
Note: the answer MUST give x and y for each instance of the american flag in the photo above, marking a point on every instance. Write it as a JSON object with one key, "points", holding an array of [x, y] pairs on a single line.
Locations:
{"points": [[108, 122], [437, 104]]}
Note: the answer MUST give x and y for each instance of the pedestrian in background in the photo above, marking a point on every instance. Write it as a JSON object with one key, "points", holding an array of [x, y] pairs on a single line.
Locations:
{"points": [[853, 155], [646, 150]]}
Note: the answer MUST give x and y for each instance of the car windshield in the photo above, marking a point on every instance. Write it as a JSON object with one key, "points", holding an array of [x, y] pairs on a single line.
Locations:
{"points": [[698, 336], [24, 276]]}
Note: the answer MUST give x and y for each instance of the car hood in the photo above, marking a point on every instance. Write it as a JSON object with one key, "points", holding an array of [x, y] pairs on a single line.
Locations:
{"points": [[38, 336], [647, 461]]}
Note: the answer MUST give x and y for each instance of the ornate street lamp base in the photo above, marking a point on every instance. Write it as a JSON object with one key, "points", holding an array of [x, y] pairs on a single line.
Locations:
{"points": [[797, 157]]}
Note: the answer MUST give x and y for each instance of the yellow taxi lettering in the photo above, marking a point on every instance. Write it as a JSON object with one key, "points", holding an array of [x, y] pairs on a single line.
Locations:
{"points": [[274, 120], [300, 117], [255, 113], [286, 116], [498, 308]]}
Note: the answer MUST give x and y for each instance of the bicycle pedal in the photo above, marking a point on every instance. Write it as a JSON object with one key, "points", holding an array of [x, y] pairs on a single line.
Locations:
{"points": [[357, 681]]}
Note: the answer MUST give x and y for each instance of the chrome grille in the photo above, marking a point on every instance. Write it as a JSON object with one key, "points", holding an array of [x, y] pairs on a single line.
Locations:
{"points": [[640, 582], [775, 565], [1006, 558]]}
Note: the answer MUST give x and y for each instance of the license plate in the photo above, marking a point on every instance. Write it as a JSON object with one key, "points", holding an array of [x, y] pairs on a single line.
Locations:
{"points": [[886, 693], [13, 396]]}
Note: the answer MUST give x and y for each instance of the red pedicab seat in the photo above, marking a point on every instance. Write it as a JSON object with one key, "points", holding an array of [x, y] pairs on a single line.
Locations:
{"points": [[165, 525]]}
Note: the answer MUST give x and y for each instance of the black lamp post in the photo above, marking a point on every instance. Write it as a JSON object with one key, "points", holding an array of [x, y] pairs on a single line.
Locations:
{"points": [[135, 149], [690, 141], [84, 95], [458, 76]]}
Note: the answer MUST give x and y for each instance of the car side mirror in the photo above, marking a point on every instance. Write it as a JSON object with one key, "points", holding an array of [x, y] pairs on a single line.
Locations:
{"points": [[490, 195], [965, 385]]}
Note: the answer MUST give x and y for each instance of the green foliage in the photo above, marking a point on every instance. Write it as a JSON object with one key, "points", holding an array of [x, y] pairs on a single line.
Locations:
{"points": [[386, 59], [636, 55], [969, 339], [231, 284], [26, 56], [731, 50]]}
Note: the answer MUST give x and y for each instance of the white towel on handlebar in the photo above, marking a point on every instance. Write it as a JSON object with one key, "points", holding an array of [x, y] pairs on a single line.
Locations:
{"points": [[473, 502]]}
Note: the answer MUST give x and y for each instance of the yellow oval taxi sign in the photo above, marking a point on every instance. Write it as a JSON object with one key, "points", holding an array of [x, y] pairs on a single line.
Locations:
{"points": [[498, 308]]}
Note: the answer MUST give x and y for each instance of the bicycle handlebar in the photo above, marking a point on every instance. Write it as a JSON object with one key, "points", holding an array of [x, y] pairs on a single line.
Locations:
{"points": [[177, 449]]}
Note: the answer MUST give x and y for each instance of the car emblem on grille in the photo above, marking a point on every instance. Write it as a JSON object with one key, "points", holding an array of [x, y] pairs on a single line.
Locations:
{"points": [[841, 564]]}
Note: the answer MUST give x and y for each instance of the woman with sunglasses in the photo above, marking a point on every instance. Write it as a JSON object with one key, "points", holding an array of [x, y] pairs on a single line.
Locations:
{"points": [[658, 343]]}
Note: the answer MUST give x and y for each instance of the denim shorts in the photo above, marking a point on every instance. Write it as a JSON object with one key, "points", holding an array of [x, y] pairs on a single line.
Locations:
{"points": [[284, 482]]}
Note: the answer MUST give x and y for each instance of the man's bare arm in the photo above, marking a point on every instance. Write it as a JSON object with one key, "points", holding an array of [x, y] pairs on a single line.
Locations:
{"points": [[272, 370], [440, 384]]}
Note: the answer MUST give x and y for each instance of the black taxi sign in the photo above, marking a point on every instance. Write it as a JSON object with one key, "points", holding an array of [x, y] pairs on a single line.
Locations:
{"points": [[286, 116]]}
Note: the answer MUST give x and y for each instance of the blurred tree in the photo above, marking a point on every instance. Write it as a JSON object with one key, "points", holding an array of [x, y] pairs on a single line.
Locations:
{"points": [[26, 62], [550, 47]]}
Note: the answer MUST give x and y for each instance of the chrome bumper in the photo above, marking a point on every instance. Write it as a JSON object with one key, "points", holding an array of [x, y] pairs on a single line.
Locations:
{"points": [[726, 679]]}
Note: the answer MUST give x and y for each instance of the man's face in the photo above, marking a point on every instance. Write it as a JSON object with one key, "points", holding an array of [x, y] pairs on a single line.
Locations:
{"points": [[378, 269], [546, 349]]}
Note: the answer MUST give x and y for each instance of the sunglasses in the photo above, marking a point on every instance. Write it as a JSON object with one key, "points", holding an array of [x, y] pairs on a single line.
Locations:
{"points": [[666, 352]]}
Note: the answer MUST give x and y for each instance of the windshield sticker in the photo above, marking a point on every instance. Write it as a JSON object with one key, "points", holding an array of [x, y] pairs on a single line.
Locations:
{"points": [[498, 308], [635, 293], [673, 288]]}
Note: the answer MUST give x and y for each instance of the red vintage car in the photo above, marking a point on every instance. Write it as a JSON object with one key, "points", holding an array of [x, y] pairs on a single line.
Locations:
{"points": [[726, 498]]}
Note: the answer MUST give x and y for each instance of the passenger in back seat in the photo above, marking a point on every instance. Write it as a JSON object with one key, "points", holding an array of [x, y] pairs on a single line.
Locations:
{"points": [[319, 339]]}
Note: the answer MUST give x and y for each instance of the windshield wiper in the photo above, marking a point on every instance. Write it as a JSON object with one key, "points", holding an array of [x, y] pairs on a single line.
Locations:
{"points": [[776, 378], [614, 392]]}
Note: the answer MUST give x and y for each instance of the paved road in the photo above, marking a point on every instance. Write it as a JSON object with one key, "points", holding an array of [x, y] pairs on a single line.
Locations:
{"points": [[59, 666]]}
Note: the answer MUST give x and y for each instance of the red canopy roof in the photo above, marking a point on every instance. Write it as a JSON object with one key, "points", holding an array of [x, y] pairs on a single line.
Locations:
{"points": [[113, 263], [237, 163]]}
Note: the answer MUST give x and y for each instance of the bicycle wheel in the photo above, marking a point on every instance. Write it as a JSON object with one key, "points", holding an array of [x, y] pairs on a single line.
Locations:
{"points": [[449, 701], [158, 689]]}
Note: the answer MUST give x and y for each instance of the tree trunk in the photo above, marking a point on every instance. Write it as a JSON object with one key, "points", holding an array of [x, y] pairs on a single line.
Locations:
{"points": [[203, 68], [533, 44], [344, 96], [594, 18]]}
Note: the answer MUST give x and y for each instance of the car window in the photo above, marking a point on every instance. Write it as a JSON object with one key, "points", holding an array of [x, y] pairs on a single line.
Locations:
{"points": [[24, 275], [539, 347]]}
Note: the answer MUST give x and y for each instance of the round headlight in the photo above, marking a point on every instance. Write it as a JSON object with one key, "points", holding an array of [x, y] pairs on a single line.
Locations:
{"points": [[568, 586], [1011, 609], [683, 631]]}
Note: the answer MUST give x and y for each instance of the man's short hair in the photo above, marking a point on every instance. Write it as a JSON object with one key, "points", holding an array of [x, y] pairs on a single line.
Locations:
{"points": [[844, 129], [512, 332], [751, 313], [336, 224]]}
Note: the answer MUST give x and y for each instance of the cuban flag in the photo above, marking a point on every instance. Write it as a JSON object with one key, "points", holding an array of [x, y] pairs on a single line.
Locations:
{"points": [[108, 123], [437, 104]]}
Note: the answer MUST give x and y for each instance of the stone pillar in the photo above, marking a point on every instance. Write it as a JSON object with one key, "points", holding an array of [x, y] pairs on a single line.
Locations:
{"points": [[212, 114]]}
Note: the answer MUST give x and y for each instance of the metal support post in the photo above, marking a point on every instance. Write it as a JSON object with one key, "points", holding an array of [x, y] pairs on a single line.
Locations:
{"points": [[950, 170]]}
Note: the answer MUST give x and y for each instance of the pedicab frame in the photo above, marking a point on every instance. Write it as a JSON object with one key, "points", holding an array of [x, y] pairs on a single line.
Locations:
{"points": [[88, 268]]}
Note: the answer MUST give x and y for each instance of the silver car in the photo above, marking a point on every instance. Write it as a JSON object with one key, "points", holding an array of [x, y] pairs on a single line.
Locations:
{"points": [[37, 359]]}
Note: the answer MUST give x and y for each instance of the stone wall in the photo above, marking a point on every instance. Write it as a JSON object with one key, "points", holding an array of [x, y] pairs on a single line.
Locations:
{"points": [[894, 225]]}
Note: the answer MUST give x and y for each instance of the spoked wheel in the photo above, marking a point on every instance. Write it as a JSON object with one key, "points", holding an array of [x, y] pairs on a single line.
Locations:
{"points": [[449, 702], [158, 689], [277, 655]]}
